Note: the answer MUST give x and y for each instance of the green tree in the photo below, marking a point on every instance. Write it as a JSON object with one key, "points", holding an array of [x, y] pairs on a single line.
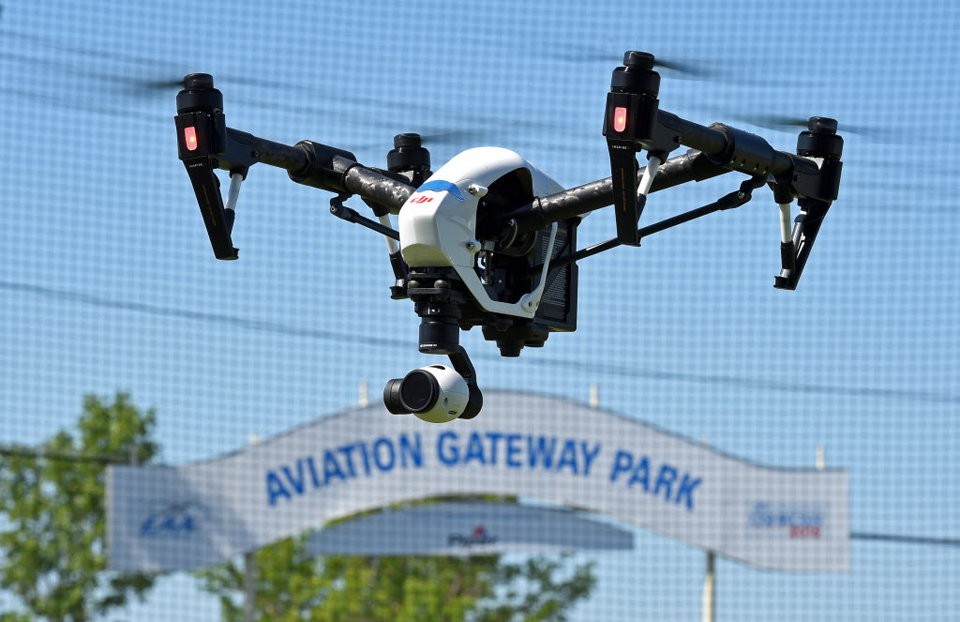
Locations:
{"points": [[52, 507], [290, 586]]}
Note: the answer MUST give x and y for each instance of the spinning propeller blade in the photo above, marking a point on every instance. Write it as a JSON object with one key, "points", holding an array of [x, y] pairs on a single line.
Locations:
{"points": [[436, 138], [786, 123], [448, 137], [158, 85], [690, 70]]}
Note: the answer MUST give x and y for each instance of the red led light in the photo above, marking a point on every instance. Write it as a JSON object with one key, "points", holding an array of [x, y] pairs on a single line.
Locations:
{"points": [[620, 119], [190, 138]]}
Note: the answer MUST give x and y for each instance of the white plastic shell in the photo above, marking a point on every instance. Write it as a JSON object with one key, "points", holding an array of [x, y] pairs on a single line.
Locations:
{"points": [[453, 398], [438, 228]]}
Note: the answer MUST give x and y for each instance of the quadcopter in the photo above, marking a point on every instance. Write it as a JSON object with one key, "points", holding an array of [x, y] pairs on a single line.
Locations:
{"points": [[488, 239]]}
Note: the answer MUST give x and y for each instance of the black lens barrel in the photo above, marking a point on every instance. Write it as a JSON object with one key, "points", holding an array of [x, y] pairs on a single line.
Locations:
{"points": [[439, 334], [391, 397], [416, 392]]}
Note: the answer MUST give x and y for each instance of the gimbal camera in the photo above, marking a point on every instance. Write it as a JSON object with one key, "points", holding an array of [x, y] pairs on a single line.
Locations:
{"points": [[488, 239]]}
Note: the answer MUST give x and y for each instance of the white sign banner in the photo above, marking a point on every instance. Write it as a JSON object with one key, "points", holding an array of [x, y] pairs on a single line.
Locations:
{"points": [[468, 528], [549, 449]]}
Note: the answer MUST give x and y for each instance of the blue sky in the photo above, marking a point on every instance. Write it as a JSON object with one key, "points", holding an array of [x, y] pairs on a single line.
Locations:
{"points": [[105, 265]]}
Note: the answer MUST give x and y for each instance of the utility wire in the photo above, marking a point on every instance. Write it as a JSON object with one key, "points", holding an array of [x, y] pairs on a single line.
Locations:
{"points": [[904, 539], [629, 371], [14, 451], [336, 101]]}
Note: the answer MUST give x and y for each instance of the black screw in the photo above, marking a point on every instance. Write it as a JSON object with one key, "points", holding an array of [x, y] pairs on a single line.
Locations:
{"points": [[406, 140], [822, 125], [198, 81], [640, 60]]}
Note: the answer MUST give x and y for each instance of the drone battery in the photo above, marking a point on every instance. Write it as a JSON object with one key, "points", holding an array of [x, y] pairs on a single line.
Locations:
{"points": [[558, 306]]}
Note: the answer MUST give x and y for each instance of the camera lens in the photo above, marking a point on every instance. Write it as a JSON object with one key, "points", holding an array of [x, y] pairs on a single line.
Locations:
{"points": [[419, 391], [391, 397]]}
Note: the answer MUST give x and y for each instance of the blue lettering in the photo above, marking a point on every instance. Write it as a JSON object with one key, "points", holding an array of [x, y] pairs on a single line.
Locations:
{"points": [[381, 464], [366, 458], [147, 526], [542, 452], [512, 450], [452, 456], [275, 488], [474, 449], [665, 478], [494, 437], [295, 482], [347, 450], [313, 472], [761, 516], [414, 451], [187, 525], [621, 464], [642, 468], [588, 457], [331, 468], [568, 457], [687, 486]]}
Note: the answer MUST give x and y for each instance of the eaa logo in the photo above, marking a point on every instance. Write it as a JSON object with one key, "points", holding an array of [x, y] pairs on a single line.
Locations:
{"points": [[792, 521], [477, 537], [181, 519]]}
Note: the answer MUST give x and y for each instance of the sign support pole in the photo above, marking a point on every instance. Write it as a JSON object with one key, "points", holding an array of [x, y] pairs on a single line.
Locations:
{"points": [[709, 590], [250, 574], [249, 586], [708, 609], [363, 394]]}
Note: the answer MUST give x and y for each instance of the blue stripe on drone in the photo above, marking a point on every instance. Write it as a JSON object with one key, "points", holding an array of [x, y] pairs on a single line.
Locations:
{"points": [[438, 185]]}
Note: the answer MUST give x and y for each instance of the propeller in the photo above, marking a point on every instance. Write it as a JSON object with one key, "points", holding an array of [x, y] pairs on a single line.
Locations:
{"points": [[157, 85], [788, 123], [691, 70], [449, 137], [731, 71], [430, 139]]}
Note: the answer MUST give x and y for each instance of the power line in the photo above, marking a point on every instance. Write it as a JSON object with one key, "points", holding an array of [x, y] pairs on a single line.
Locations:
{"points": [[904, 539], [220, 319], [629, 371], [169, 69], [62, 456]]}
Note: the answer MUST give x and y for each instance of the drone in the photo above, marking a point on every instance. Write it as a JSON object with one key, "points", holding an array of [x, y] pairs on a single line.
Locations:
{"points": [[488, 239]]}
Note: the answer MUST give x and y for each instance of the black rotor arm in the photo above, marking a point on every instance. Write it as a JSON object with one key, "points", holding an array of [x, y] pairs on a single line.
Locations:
{"points": [[715, 150], [543, 211], [316, 165], [205, 143]]}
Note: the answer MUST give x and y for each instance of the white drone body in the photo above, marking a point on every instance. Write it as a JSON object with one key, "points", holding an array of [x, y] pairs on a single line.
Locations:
{"points": [[438, 222]]}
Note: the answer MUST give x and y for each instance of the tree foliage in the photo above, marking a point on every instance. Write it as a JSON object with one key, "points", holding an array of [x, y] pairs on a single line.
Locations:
{"points": [[291, 586], [52, 509]]}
